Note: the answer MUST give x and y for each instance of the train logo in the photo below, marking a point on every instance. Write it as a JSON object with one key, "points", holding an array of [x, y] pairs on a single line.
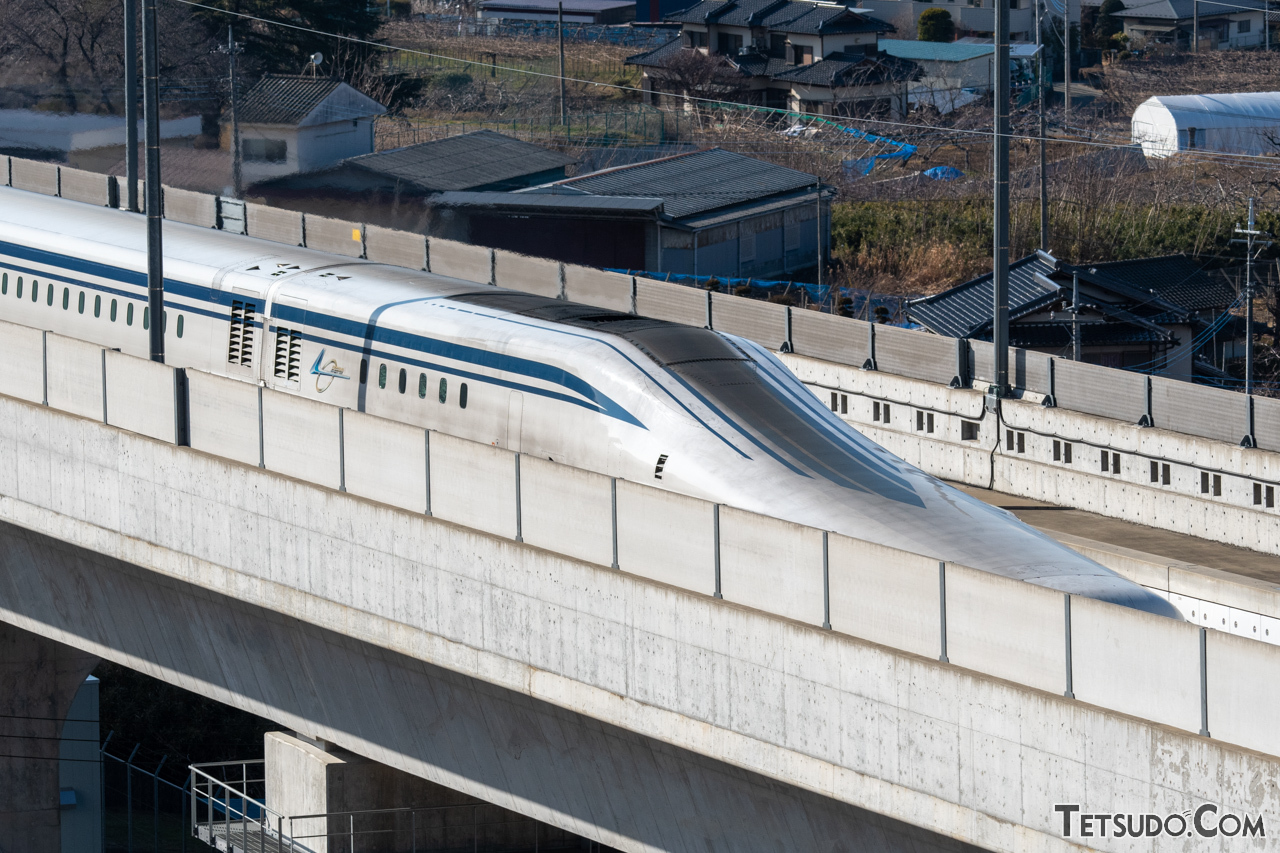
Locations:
{"points": [[327, 373]]}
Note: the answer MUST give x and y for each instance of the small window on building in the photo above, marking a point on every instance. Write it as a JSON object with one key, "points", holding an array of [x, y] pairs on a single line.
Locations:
{"points": [[462, 396], [1115, 463], [97, 306], [1257, 494], [1106, 461], [844, 404], [801, 54], [1204, 482], [264, 150], [444, 390], [835, 401], [729, 44], [1271, 497], [885, 411], [1022, 442], [1164, 475], [1066, 452], [1057, 451], [1008, 440], [1217, 485], [968, 430], [875, 411], [422, 386], [696, 39], [928, 422], [382, 376], [1243, 27], [919, 421], [404, 380], [1155, 471]]}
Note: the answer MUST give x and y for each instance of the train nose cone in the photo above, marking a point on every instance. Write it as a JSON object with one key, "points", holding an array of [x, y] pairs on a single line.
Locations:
{"points": [[1114, 590]]}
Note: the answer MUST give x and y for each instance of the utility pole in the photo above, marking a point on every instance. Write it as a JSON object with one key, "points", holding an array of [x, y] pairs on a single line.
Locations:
{"points": [[237, 180], [1195, 26], [1066, 62], [131, 103], [564, 104], [151, 111], [1250, 239], [1000, 253], [1044, 130], [818, 189], [1075, 316]]}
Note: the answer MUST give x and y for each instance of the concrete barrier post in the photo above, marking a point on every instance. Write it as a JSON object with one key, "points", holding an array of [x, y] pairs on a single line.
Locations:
{"points": [[426, 439], [613, 512], [1204, 683], [870, 363], [262, 448], [715, 538], [1066, 613], [826, 582], [942, 608], [519, 520], [342, 450]]}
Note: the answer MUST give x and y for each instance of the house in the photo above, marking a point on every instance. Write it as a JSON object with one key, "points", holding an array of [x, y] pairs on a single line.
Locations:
{"points": [[711, 212], [972, 16], [798, 55], [1236, 24], [1162, 315], [575, 11], [391, 188], [291, 124], [1238, 123]]}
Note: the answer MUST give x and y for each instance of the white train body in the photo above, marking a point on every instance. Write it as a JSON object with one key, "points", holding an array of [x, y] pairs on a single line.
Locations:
{"points": [[690, 410]]}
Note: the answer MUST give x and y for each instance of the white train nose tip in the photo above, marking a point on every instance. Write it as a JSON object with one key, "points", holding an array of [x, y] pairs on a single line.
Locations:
{"points": [[1113, 590]]}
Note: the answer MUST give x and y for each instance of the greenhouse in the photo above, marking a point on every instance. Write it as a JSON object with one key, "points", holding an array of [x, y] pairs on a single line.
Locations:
{"points": [[1242, 123]]}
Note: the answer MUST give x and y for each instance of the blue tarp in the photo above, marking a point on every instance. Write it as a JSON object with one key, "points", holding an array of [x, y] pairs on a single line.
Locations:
{"points": [[943, 173]]}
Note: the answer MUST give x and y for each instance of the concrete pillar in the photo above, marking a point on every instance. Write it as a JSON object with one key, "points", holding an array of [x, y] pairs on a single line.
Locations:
{"points": [[373, 808], [38, 682]]}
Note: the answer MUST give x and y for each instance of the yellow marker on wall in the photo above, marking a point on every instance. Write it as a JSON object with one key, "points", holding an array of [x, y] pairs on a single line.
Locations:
{"points": [[355, 234]]}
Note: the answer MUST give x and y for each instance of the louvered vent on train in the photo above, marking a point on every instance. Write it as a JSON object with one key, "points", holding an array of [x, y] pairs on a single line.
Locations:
{"points": [[288, 353], [240, 342]]}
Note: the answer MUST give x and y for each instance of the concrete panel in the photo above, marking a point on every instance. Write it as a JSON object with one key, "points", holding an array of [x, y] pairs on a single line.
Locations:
{"points": [[567, 510], [672, 302], [829, 337], [1006, 628], [141, 396], [88, 187], [771, 565], [666, 537], [300, 438], [526, 274], [336, 236], [402, 248], [23, 353], [1199, 410], [271, 223], [1266, 422], [4, 168], [884, 595], [1027, 370], [1136, 663], [74, 376], [473, 484], [460, 260], [223, 417], [297, 783], [1101, 391], [1243, 691], [918, 355], [763, 322], [34, 176], [595, 287], [191, 207], [385, 461]]}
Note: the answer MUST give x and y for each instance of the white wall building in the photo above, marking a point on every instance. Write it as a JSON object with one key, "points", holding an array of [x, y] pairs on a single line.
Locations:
{"points": [[291, 124], [1243, 123]]}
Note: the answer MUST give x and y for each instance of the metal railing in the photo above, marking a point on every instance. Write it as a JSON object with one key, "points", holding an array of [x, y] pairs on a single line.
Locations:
{"points": [[228, 819], [453, 828]]}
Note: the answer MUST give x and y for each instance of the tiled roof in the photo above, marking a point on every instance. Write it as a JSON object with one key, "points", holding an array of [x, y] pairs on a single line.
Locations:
{"points": [[1182, 10], [759, 65], [965, 309], [934, 50], [476, 159], [1175, 279], [289, 99], [658, 56], [696, 182], [793, 16], [844, 69]]}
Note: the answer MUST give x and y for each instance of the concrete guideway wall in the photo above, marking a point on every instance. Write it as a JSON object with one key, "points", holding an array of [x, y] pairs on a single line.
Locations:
{"points": [[791, 571], [905, 736]]}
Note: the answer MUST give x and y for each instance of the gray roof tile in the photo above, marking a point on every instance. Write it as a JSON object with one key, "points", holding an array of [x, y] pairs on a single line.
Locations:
{"points": [[463, 162]]}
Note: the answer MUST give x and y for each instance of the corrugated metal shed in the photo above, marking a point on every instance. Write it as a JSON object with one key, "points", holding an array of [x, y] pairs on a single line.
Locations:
{"points": [[462, 162], [290, 99], [696, 182], [549, 202]]}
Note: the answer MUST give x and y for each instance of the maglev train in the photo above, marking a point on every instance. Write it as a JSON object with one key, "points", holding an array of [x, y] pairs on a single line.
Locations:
{"points": [[681, 408]]}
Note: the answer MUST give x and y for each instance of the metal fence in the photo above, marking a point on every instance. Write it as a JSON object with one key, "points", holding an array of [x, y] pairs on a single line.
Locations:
{"points": [[611, 127], [640, 37], [142, 811]]}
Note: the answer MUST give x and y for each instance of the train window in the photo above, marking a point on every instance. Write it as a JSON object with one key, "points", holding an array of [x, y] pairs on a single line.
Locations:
{"points": [[382, 376], [113, 310], [4, 285], [146, 318], [364, 370], [404, 379], [35, 290], [422, 386], [462, 395], [80, 306], [179, 325], [66, 298], [444, 389], [128, 314], [97, 305], [19, 287], [49, 295]]}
